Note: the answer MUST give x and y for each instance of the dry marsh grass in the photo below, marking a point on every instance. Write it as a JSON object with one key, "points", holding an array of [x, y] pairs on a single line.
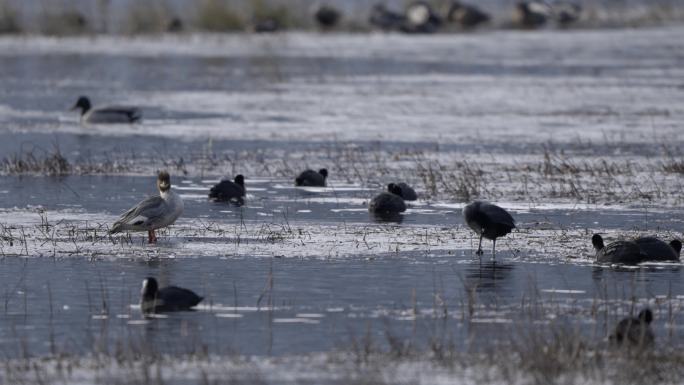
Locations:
{"points": [[64, 23], [219, 16], [148, 17], [53, 162], [9, 19], [30, 162]]}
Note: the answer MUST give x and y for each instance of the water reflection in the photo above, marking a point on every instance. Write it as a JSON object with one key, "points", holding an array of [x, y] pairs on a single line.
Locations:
{"points": [[387, 217], [632, 275], [489, 276]]}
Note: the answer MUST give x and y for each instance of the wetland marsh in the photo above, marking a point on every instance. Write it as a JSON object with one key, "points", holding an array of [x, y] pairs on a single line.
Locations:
{"points": [[574, 132]]}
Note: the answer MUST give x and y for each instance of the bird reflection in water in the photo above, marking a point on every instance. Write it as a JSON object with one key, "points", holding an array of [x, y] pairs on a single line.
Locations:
{"points": [[489, 276], [387, 217], [629, 275]]}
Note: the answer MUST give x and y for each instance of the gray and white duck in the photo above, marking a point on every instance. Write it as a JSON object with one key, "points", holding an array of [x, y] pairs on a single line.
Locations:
{"points": [[152, 213]]}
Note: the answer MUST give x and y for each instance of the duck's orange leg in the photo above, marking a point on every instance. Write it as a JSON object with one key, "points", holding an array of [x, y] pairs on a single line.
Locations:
{"points": [[151, 236]]}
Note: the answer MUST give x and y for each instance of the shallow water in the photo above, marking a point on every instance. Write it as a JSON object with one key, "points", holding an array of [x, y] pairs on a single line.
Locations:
{"points": [[270, 106], [275, 200], [314, 305]]}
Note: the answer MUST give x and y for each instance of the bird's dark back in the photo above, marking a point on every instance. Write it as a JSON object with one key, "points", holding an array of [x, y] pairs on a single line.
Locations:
{"points": [[174, 297]]}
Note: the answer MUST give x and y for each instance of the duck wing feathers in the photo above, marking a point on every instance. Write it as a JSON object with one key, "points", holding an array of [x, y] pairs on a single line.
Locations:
{"points": [[141, 216]]}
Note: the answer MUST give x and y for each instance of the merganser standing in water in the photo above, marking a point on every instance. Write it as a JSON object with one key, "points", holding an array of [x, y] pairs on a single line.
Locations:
{"points": [[152, 213]]}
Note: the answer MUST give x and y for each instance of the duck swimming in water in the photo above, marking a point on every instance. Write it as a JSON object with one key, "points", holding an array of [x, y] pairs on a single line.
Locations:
{"points": [[405, 191], [170, 298], [465, 15], [531, 14], [229, 191], [653, 249], [382, 18], [634, 331], [312, 178], [326, 15], [106, 114], [620, 252], [388, 202]]}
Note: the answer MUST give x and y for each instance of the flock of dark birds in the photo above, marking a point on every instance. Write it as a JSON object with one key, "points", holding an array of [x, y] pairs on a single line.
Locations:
{"points": [[485, 219], [416, 17], [421, 17]]}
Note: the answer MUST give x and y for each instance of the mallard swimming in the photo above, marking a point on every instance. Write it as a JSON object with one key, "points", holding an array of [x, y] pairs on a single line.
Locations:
{"points": [[106, 115]]}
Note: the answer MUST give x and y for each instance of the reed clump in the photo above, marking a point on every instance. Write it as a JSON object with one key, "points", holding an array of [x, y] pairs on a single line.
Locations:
{"points": [[279, 14], [218, 16], [29, 162], [54, 163], [148, 17], [9, 20], [64, 23]]}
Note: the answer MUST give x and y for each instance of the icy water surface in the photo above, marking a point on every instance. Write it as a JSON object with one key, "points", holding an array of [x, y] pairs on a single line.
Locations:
{"points": [[308, 270]]}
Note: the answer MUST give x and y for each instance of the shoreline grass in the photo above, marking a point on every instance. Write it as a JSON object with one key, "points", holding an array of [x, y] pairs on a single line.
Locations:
{"points": [[588, 367], [161, 16]]}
